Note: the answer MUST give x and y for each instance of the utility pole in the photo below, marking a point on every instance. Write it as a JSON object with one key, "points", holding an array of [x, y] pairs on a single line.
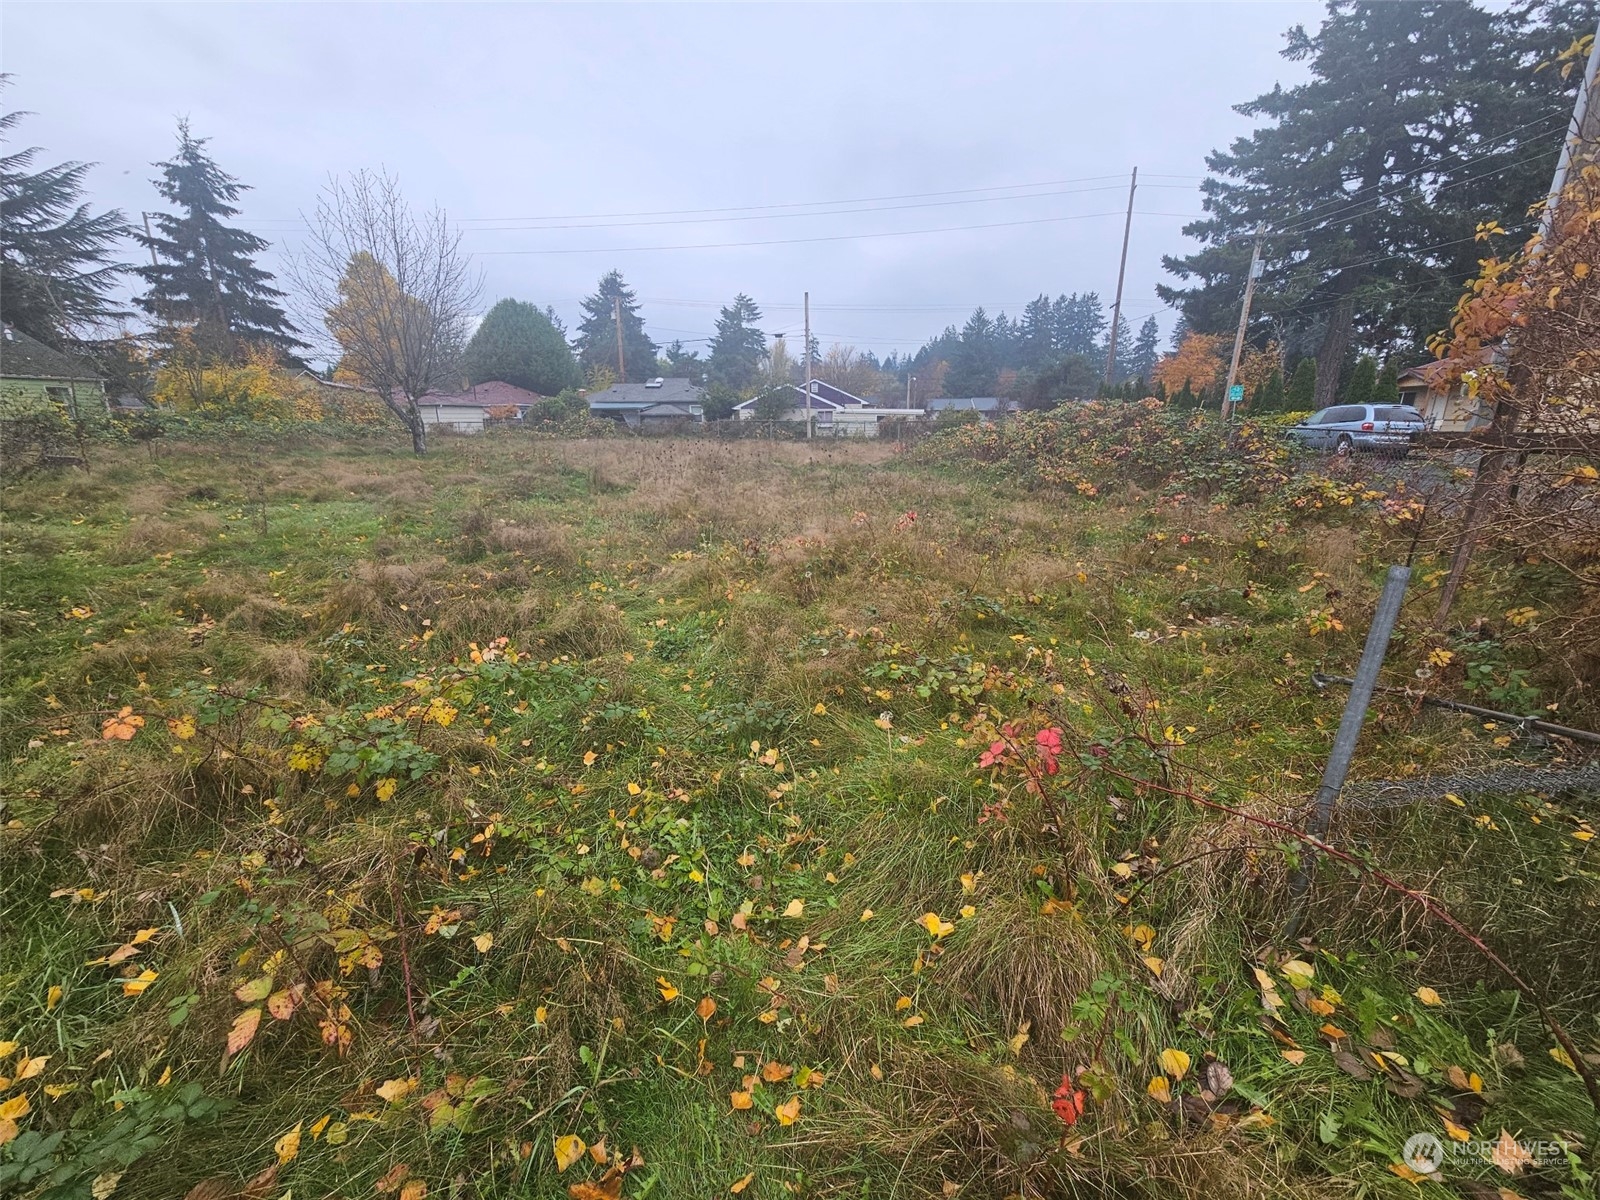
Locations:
{"points": [[1581, 142], [1116, 307], [622, 364], [810, 431], [910, 379], [1244, 319], [151, 238]]}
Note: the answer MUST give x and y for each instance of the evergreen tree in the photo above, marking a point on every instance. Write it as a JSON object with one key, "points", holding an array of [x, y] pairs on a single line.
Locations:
{"points": [[56, 264], [1418, 121], [1185, 397], [597, 332], [678, 362], [738, 348], [1302, 395], [1146, 349], [1362, 381], [1036, 334], [975, 365], [518, 344], [1387, 389], [205, 276], [1269, 397], [1080, 324], [1072, 377]]}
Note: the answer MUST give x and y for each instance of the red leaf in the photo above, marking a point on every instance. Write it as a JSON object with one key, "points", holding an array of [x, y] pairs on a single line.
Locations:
{"points": [[1069, 1101]]}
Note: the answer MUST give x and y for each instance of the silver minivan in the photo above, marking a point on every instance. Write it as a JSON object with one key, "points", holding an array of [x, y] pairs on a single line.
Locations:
{"points": [[1345, 428]]}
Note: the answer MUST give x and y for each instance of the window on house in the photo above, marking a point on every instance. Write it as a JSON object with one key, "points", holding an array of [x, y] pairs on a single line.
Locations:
{"points": [[63, 397]]}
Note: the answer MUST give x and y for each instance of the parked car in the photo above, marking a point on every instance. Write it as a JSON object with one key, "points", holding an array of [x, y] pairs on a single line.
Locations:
{"points": [[1346, 428]]}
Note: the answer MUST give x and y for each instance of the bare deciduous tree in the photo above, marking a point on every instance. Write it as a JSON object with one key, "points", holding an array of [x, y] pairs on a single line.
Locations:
{"points": [[393, 290]]}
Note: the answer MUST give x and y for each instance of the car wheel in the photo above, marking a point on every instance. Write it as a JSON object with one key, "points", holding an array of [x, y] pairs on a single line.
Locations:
{"points": [[1344, 445]]}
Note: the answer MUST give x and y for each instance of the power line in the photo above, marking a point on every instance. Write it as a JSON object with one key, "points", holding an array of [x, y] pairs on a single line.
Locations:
{"points": [[679, 212], [840, 237]]}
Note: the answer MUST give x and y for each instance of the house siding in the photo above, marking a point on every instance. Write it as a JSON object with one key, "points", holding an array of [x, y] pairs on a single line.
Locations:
{"points": [[84, 397]]}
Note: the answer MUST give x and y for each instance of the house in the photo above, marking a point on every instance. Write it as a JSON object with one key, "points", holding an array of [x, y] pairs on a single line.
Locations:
{"points": [[1445, 406], [473, 408], [826, 400], [833, 411], [655, 404], [992, 408], [30, 370]]}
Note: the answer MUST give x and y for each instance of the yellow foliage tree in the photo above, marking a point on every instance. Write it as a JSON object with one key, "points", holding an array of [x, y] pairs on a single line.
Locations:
{"points": [[255, 387], [1197, 360]]}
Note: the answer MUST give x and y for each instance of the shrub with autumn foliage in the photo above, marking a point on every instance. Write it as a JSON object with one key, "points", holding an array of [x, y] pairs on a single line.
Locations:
{"points": [[1198, 361]]}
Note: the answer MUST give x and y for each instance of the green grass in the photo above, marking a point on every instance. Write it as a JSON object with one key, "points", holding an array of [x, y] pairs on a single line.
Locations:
{"points": [[680, 611]]}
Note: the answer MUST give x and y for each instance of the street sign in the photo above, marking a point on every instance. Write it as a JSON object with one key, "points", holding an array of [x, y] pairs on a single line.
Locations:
{"points": [[1236, 393]]}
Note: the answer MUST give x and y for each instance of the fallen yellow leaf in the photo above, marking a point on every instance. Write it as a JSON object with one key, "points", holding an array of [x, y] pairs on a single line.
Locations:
{"points": [[29, 1067], [1429, 997], [739, 1185], [396, 1090], [795, 908], [288, 1145], [569, 1147], [741, 1100], [15, 1108], [484, 942], [52, 997], [668, 992], [788, 1112], [1159, 1089], [1174, 1062]]}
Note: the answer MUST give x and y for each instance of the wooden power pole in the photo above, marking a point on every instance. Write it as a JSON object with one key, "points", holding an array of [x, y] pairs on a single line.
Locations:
{"points": [[810, 431], [622, 363], [1122, 270], [1580, 142], [1244, 320]]}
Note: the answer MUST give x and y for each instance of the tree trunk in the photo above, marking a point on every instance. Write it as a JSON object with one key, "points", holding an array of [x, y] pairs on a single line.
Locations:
{"points": [[419, 429], [1330, 358]]}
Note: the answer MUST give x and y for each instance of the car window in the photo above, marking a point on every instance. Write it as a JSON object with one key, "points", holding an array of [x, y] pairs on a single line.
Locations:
{"points": [[1345, 412], [1396, 412]]}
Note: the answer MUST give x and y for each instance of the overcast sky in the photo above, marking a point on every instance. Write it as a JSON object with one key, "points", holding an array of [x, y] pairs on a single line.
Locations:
{"points": [[635, 120]]}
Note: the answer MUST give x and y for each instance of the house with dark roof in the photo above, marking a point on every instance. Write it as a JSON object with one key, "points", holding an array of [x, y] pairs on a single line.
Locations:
{"points": [[30, 370], [471, 409], [787, 401], [654, 404]]}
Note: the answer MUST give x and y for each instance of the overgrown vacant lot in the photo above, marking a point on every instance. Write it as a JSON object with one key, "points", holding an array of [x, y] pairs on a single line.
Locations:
{"points": [[785, 819]]}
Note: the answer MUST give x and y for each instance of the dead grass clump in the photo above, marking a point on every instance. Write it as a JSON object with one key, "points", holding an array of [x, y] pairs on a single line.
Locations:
{"points": [[1335, 550], [262, 614], [1026, 966], [545, 544], [146, 537], [120, 663], [586, 629], [287, 668], [476, 617], [375, 592], [150, 499]]}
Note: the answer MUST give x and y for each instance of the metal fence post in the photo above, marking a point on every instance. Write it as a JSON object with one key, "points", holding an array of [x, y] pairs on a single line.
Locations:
{"points": [[1344, 742]]}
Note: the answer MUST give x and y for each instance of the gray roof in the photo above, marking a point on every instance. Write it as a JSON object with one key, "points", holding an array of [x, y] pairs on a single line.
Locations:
{"points": [[23, 357], [967, 403], [645, 395]]}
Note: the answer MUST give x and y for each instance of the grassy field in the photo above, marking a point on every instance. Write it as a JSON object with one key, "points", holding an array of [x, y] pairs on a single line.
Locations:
{"points": [[775, 819]]}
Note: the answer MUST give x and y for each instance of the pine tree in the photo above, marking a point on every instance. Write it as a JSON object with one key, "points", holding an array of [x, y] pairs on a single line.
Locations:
{"points": [[1387, 389], [738, 347], [205, 276], [597, 332], [1302, 395], [519, 345], [1362, 380], [1417, 122], [1036, 334], [56, 263], [975, 365], [1145, 350], [1269, 397]]}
